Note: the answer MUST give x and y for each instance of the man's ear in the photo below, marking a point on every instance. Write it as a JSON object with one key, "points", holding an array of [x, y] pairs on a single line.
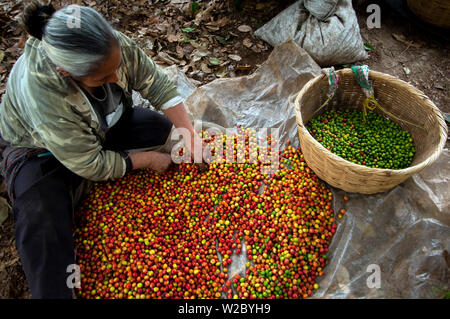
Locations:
{"points": [[64, 73]]}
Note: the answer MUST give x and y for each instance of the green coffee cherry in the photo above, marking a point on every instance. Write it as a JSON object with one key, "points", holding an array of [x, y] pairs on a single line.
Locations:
{"points": [[374, 141]]}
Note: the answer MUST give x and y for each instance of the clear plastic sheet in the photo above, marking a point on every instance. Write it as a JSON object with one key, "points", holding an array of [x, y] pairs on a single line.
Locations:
{"points": [[389, 245]]}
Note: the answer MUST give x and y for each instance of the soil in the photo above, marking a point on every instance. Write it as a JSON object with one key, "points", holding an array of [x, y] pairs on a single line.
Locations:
{"points": [[427, 59], [421, 59]]}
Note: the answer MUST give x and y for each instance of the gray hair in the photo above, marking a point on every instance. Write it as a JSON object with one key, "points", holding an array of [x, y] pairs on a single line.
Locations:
{"points": [[77, 38]]}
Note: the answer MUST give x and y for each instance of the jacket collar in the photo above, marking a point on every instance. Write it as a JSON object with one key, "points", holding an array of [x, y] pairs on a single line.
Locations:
{"points": [[79, 101]]}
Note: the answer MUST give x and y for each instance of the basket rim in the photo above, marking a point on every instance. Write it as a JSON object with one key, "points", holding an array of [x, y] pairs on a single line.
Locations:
{"points": [[375, 74]]}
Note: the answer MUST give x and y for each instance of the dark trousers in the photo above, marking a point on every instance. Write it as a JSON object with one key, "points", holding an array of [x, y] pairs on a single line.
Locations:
{"points": [[44, 204]]}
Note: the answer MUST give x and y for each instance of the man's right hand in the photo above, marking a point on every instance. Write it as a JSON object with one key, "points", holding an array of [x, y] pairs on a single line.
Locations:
{"points": [[157, 161]]}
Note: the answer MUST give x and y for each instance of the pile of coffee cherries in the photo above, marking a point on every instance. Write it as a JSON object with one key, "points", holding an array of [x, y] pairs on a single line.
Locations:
{"points": [[372, 141], [175, 235]]}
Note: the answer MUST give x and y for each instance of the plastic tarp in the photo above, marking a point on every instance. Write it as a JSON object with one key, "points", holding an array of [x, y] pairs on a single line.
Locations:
{"points": [[389, 245]]}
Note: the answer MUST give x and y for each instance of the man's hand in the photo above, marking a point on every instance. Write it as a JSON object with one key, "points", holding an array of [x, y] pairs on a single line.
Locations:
{"points": [[157, 161]]}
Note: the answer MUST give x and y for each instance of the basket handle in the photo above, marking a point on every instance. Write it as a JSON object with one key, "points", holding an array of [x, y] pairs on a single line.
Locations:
{"points": [[333, 80], [361, 73]]}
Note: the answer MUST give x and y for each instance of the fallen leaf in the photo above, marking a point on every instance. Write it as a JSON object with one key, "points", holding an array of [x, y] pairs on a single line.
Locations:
{"points": [[244, 28], [2, 55], [167, 58], [235, 57], [222, 40], [198, 54], [438, 86], [180, 51], [245, 67], [401, 38], [199, 45], [195, 8], [261, 46], [368, 47], [256, 49], [188, 49], [212, 27], [205, 68], [247, 42], [205, 14], [222, 72], [189, 29], [172, 38], [214, 61], [163, 27], [223, 21]]}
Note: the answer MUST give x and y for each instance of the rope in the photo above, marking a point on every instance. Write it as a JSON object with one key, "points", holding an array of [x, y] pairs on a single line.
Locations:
{"points": [[362, 77], [332, 86]]}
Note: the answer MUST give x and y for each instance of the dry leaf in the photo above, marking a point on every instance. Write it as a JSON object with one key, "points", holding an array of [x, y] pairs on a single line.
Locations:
{"points": [[205, 68], [399, 37], [167, 58], [205, 14], [2, 55], [172, 38], [243, 67], [163, 27], [180, 51], [198, 54], [143, 31], [222, 72], [256, 49], [212, 27], [235, 57], [223, 21], [187, 49], [244, 28], [247, 42], [261, 46], [402, 38]]}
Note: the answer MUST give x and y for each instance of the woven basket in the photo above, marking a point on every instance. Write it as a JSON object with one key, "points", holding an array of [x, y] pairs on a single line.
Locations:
{"points": [[398, 98], [435, 12]]}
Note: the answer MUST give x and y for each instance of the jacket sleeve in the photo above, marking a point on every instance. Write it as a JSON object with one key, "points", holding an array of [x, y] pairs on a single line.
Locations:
{"points": [[145, 77], [74, 144]]}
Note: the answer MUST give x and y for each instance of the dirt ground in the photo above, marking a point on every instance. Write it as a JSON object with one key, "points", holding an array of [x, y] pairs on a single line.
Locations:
{"points": [[400, 48]]}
